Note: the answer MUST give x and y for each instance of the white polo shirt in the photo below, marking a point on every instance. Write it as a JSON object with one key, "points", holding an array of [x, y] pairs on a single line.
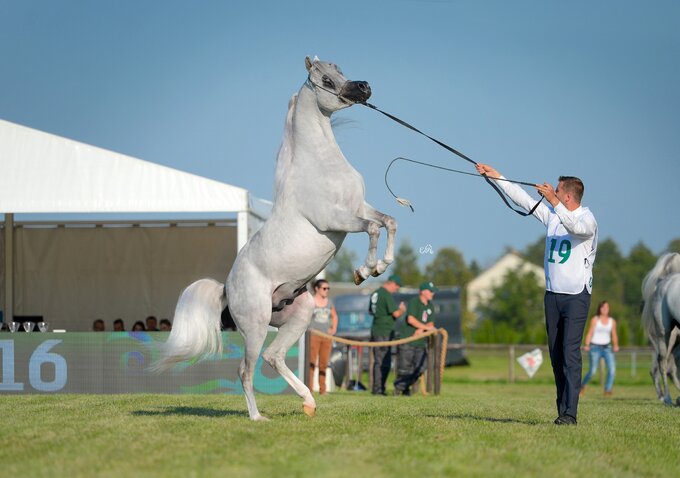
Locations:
{"points": [[570, 242]]}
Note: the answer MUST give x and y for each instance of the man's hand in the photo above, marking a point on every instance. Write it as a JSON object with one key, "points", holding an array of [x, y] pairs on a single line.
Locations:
{"points": [[487, 170], [548, 192]]}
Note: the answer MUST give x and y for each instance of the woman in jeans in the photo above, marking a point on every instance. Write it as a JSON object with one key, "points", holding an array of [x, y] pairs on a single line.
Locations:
{"points": [[601, 336]]}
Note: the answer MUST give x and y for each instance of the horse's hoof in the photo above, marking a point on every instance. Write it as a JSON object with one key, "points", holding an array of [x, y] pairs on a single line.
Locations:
{"points": [[309, 410], [260, 418], [357, 278]]}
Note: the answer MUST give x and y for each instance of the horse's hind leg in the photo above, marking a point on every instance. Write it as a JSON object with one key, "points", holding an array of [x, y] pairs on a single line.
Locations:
{"points": [[672, 366], [295, 319], [251, 315]]}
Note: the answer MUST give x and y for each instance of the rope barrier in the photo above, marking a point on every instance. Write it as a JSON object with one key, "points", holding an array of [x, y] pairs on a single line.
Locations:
{"points": [[390, 343]]}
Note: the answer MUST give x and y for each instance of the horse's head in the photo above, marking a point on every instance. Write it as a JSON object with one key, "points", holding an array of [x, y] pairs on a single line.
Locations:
{"points": [[334, 91]]}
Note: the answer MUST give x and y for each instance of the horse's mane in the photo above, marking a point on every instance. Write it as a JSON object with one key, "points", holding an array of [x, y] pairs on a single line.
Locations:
{"points": [[285, 155], [666, 265]]}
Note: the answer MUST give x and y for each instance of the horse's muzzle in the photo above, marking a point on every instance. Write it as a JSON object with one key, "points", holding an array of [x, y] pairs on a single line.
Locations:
{"points": [[356, 91]]}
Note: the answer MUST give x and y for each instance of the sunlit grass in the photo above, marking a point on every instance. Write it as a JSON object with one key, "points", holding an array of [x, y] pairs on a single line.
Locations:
{"points": [[471, 429]]}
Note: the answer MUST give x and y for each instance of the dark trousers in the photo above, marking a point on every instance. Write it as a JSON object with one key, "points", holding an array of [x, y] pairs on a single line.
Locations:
{"points": [[411, 363], [565, 319], [382, 362]]}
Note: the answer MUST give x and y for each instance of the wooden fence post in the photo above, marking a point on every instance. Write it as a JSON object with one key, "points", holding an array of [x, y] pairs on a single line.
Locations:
{"points": [[511, 364]]}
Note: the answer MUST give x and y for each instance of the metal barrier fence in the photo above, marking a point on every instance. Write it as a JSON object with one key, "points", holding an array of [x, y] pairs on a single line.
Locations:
{"points": [[632, 362]]}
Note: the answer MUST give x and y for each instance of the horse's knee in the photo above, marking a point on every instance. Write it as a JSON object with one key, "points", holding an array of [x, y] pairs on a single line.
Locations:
{"points": [[390, 224], [373, 229], [273, 358]]}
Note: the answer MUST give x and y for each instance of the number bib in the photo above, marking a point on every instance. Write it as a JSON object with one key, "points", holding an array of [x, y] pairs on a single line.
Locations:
{"points": [[568, 259]]}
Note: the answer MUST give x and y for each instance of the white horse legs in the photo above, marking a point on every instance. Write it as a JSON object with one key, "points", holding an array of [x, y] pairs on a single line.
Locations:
{"points": [[371, 265], [254, 340], [297, 318]]}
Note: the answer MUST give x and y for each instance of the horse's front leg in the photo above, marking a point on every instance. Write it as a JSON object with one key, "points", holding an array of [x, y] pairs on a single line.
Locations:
{"points": [[390, 224], [341, 221]]}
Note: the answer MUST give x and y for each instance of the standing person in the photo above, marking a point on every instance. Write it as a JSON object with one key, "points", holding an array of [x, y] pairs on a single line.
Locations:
{"points": [[385, 311], [599, 339], [570, 249], [324, 319], [412, 356]]}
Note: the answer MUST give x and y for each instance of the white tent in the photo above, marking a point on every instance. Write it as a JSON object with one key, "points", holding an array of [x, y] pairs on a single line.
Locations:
{"points": [[44, 173]]}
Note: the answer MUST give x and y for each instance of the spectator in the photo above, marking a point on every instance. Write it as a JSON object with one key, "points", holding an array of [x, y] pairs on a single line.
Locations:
{"points": [[151, 324], [385, 311], [98, 325], [139, 326], [601, 335], [118, 325], [324, 319], [412, 356], [166, 325]]}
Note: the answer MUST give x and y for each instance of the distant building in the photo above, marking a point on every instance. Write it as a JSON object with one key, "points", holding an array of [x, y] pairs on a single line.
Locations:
{"points": [[480, 289]]}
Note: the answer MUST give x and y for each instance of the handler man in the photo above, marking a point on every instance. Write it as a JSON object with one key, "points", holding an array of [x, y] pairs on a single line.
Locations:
{"points": [[412, 356], [570, 249], [385, 312]]}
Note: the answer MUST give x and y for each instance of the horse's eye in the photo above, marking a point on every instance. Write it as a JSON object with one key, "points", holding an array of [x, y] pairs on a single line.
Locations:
{"points": [[327, 82]]}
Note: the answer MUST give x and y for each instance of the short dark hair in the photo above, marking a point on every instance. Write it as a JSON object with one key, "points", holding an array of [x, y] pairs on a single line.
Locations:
{"points": [[165, 322], [574, 186]]}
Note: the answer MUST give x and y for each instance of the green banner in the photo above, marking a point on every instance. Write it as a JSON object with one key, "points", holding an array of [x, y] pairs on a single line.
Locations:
{"points": [[117, 362]]}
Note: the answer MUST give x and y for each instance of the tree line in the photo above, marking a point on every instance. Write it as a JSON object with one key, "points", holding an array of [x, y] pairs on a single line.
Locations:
{"points": [[514, 313]]}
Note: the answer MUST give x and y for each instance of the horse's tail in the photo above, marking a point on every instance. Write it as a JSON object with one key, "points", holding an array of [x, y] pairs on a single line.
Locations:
{"points": [[196, 326]]}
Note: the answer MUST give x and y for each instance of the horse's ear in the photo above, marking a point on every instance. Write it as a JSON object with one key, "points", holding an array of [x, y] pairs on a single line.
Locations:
{"points": [[308, 63]]}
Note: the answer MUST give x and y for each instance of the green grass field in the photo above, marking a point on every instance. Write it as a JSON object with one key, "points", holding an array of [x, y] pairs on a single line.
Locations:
{"points": [[478, 426]]}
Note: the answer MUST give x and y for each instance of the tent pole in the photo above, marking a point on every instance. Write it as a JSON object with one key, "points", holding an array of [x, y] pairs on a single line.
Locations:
{"points": [[242, 225], [9, 268]]}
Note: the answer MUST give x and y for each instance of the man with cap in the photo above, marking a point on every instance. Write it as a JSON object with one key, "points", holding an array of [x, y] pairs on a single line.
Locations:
{"points": [[412, 356], [385, 311]]}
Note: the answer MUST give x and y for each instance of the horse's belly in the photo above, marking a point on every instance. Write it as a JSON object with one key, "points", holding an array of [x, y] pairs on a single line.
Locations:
{"points": [[289, 252]]}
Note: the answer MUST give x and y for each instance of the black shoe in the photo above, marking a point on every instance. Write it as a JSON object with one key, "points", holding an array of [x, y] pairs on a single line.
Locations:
{"points": [[565, 420], [376, 392]]}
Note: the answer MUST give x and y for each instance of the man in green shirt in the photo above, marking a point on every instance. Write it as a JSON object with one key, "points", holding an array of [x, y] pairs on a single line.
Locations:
{"points": [[385, 312], [412, 356]]}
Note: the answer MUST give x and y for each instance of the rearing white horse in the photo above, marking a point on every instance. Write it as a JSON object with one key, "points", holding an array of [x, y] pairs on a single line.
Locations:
{"points": [[319, 198]]}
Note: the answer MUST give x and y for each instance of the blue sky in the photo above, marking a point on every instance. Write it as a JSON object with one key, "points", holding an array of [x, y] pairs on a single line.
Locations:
{"points": [[536, 88]]}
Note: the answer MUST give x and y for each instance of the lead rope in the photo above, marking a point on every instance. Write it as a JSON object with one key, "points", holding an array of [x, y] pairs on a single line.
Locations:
{"points": [[405, 202]]}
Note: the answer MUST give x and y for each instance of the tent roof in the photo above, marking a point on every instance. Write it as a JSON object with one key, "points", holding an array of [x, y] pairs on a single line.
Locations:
{"points": [[44, 173]]}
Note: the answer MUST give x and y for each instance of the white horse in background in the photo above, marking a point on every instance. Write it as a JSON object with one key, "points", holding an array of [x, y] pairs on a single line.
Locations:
{"points": [[660, 319], [318, 199]]}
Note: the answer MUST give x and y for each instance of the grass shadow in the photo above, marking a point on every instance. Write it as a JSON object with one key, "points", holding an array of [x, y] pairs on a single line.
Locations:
{"points": [[467, 416], [189, 411]]}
